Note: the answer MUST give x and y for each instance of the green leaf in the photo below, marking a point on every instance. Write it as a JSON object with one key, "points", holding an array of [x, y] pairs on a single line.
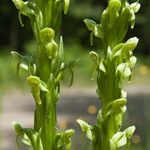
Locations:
{"points": [[85, 128]]}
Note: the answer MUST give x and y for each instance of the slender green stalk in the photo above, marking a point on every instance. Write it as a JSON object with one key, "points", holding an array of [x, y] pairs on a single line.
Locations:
{"points": [[45, 69], [113, 66]]}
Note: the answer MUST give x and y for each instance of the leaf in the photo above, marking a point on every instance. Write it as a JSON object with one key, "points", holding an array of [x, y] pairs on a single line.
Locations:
{"points": [[85, 128]]}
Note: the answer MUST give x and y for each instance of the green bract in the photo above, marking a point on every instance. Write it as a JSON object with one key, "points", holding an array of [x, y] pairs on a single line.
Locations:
{"points": [[45, 70], [113, 65]]}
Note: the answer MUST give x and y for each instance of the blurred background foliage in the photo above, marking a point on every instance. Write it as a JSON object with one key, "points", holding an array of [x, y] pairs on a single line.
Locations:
{"points": [[76, 36]]}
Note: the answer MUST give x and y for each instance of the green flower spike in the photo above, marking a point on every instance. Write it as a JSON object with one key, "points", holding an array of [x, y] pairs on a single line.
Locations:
{"points": [[113, 66]]}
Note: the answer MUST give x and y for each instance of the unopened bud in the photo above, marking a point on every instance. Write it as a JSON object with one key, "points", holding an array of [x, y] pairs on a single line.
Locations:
{"points": [[47, 34], [131, 44], [33, 81], [114, 4], [18, 3], [51, 48], [129, 131]]}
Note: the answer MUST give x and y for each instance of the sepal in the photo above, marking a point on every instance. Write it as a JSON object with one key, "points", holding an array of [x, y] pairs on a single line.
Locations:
{"points": [[86, 128], [36, 86]]}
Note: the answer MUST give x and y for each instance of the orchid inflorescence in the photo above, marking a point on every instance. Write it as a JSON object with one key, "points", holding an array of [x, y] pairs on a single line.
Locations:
{"points": [[113, 65]]}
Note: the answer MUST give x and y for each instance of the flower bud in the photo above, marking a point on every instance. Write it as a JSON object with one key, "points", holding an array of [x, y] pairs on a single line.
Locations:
{"points": [[129, 131], [130, 44], [47, 34], [18, 3], [33, 81], [66, 6], [94, 56], [135, 6], [51, 48], [114, 4]]}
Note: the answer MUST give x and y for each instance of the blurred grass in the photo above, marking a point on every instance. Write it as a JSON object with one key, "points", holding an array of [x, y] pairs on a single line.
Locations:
{"points": [[8, 73]]}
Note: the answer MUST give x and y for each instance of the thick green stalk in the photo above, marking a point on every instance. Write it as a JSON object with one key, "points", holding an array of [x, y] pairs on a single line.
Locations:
{"points": [[45, 73], [46, 114]]}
